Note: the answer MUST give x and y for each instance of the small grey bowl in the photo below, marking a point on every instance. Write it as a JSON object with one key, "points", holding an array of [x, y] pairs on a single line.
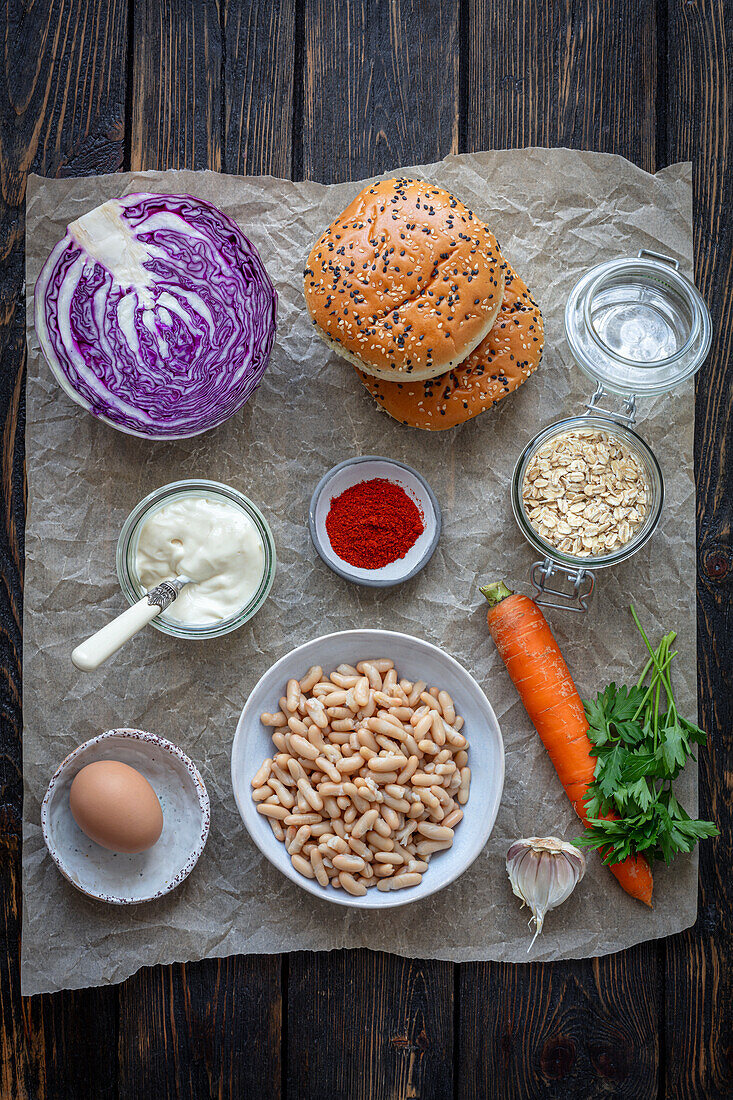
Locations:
{"points": [[116, 877], [351, 472]]}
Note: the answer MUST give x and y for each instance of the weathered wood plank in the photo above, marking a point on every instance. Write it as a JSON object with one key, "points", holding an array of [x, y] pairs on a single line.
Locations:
{"points": [[379, 88], [176, 85], [202, 1029], [259, 53], [579, 74], [574, 1029], [211, 1028], [563, 72], [366, 1026], [62, 92], [699, 981]]}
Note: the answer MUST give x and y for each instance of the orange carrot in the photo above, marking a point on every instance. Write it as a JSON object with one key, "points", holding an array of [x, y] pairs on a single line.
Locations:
{"points": [[536, 665]]}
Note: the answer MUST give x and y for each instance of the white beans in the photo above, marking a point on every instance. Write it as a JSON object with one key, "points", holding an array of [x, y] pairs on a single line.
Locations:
{"points": [[368, 776]]}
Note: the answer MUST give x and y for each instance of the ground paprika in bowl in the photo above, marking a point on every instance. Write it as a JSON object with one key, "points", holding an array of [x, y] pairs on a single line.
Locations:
{"points": [[374, 521]]}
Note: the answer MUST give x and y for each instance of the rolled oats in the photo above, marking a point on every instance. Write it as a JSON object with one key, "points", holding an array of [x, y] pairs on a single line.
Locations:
{"points": [[585, 492]]}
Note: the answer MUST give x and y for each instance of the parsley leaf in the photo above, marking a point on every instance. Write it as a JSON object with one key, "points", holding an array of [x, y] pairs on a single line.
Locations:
{"points": [[641, 745]]}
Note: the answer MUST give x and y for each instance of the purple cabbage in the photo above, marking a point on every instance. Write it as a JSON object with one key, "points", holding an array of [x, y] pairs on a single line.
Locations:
{"points": [[156, 314]]}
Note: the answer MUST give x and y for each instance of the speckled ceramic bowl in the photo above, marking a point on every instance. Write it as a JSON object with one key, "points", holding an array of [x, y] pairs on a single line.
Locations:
{"points": [[117, 877]]}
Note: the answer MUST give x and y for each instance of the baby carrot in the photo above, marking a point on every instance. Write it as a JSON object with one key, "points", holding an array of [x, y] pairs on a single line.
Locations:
{"points": [[537, 667]]}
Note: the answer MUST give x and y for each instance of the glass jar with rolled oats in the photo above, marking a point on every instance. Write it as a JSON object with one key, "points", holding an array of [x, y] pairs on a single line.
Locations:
{"points": [[587, 491]]}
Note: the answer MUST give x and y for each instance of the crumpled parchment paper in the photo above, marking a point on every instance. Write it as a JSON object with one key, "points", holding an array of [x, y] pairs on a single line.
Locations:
{"points": [[556, 213]]}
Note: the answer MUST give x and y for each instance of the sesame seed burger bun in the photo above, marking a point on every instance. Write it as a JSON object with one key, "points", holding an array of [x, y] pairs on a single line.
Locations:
{"points": [[501, 363], [406, 282]]}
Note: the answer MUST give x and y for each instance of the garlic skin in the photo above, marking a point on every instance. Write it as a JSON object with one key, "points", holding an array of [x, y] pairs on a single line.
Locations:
{"points": [[543, 872]]}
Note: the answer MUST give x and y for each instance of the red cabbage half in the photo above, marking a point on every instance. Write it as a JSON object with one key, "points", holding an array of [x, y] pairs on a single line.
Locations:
{"points": [[156, 314]]}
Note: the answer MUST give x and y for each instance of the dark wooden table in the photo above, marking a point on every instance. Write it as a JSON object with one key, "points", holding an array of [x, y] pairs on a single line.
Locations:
{"points": [[332, 90]]}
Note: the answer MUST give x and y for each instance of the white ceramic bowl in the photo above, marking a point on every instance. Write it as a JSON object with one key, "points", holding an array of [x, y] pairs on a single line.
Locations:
{"points": [[351, 472], [414, 659], [116, 877]]}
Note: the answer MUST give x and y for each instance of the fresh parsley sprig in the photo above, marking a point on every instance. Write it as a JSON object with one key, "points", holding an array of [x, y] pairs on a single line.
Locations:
{"points": [[641, 744]]}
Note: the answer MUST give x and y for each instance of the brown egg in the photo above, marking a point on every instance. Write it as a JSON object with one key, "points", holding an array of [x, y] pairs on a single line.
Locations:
{"points": [[116, 806]]}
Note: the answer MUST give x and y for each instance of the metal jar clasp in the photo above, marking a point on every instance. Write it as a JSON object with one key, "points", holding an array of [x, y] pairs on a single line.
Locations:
{"points": [[626, 415], [575, 598]]}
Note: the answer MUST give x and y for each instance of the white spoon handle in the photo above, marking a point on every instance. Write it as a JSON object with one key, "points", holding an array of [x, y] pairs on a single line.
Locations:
{"points": [[96, 650]]}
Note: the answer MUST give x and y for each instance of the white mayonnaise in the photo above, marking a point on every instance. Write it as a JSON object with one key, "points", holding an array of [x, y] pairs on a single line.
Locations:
{"points": [[213, 542]]}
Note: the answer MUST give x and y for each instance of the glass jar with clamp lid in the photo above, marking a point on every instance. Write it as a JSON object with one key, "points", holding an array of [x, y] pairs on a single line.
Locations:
{"points": [[587, 491]]}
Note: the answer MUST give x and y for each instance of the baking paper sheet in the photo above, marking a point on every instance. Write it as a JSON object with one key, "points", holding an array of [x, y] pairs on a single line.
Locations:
{"points": [[556, 213]]}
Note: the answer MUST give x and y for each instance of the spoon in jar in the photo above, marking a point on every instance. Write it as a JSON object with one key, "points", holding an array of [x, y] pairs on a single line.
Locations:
{"points": [[96, 650]]}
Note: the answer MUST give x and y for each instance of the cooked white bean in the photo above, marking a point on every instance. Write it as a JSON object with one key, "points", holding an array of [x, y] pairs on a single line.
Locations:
{"points": [[260, 777], [360, 848], [401, 713], [303, 866], [345, 682], [365, 737], [302, 819], [351, 863], [434, 832], [423, 725], [330, 769], [417, 865], [381, 827], [427, 848], [349, 765], [446, 705], [342, 725], [301, 746], [350, 885], [394, 858], [364, 824], [400, 882], [278, 719], [465, 786], [301, 835], [292, 697], [380, 843], [318, 868], [284, 796], [390, 817], [438, 733], [366, 668], [430, 701], [386, 763], [383, 664], [417, 689], [311, 678], [337, 714], [268, 810]]}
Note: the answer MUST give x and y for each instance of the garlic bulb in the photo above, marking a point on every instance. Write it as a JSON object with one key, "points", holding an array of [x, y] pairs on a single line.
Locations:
{"points": [[543, 872]]}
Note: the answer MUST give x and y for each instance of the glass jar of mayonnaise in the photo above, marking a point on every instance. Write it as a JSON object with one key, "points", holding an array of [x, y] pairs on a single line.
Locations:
{"points": [[211, 533]]}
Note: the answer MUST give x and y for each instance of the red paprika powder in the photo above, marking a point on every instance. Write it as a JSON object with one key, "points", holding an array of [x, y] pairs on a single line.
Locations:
{"points": [[373, 523]]}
